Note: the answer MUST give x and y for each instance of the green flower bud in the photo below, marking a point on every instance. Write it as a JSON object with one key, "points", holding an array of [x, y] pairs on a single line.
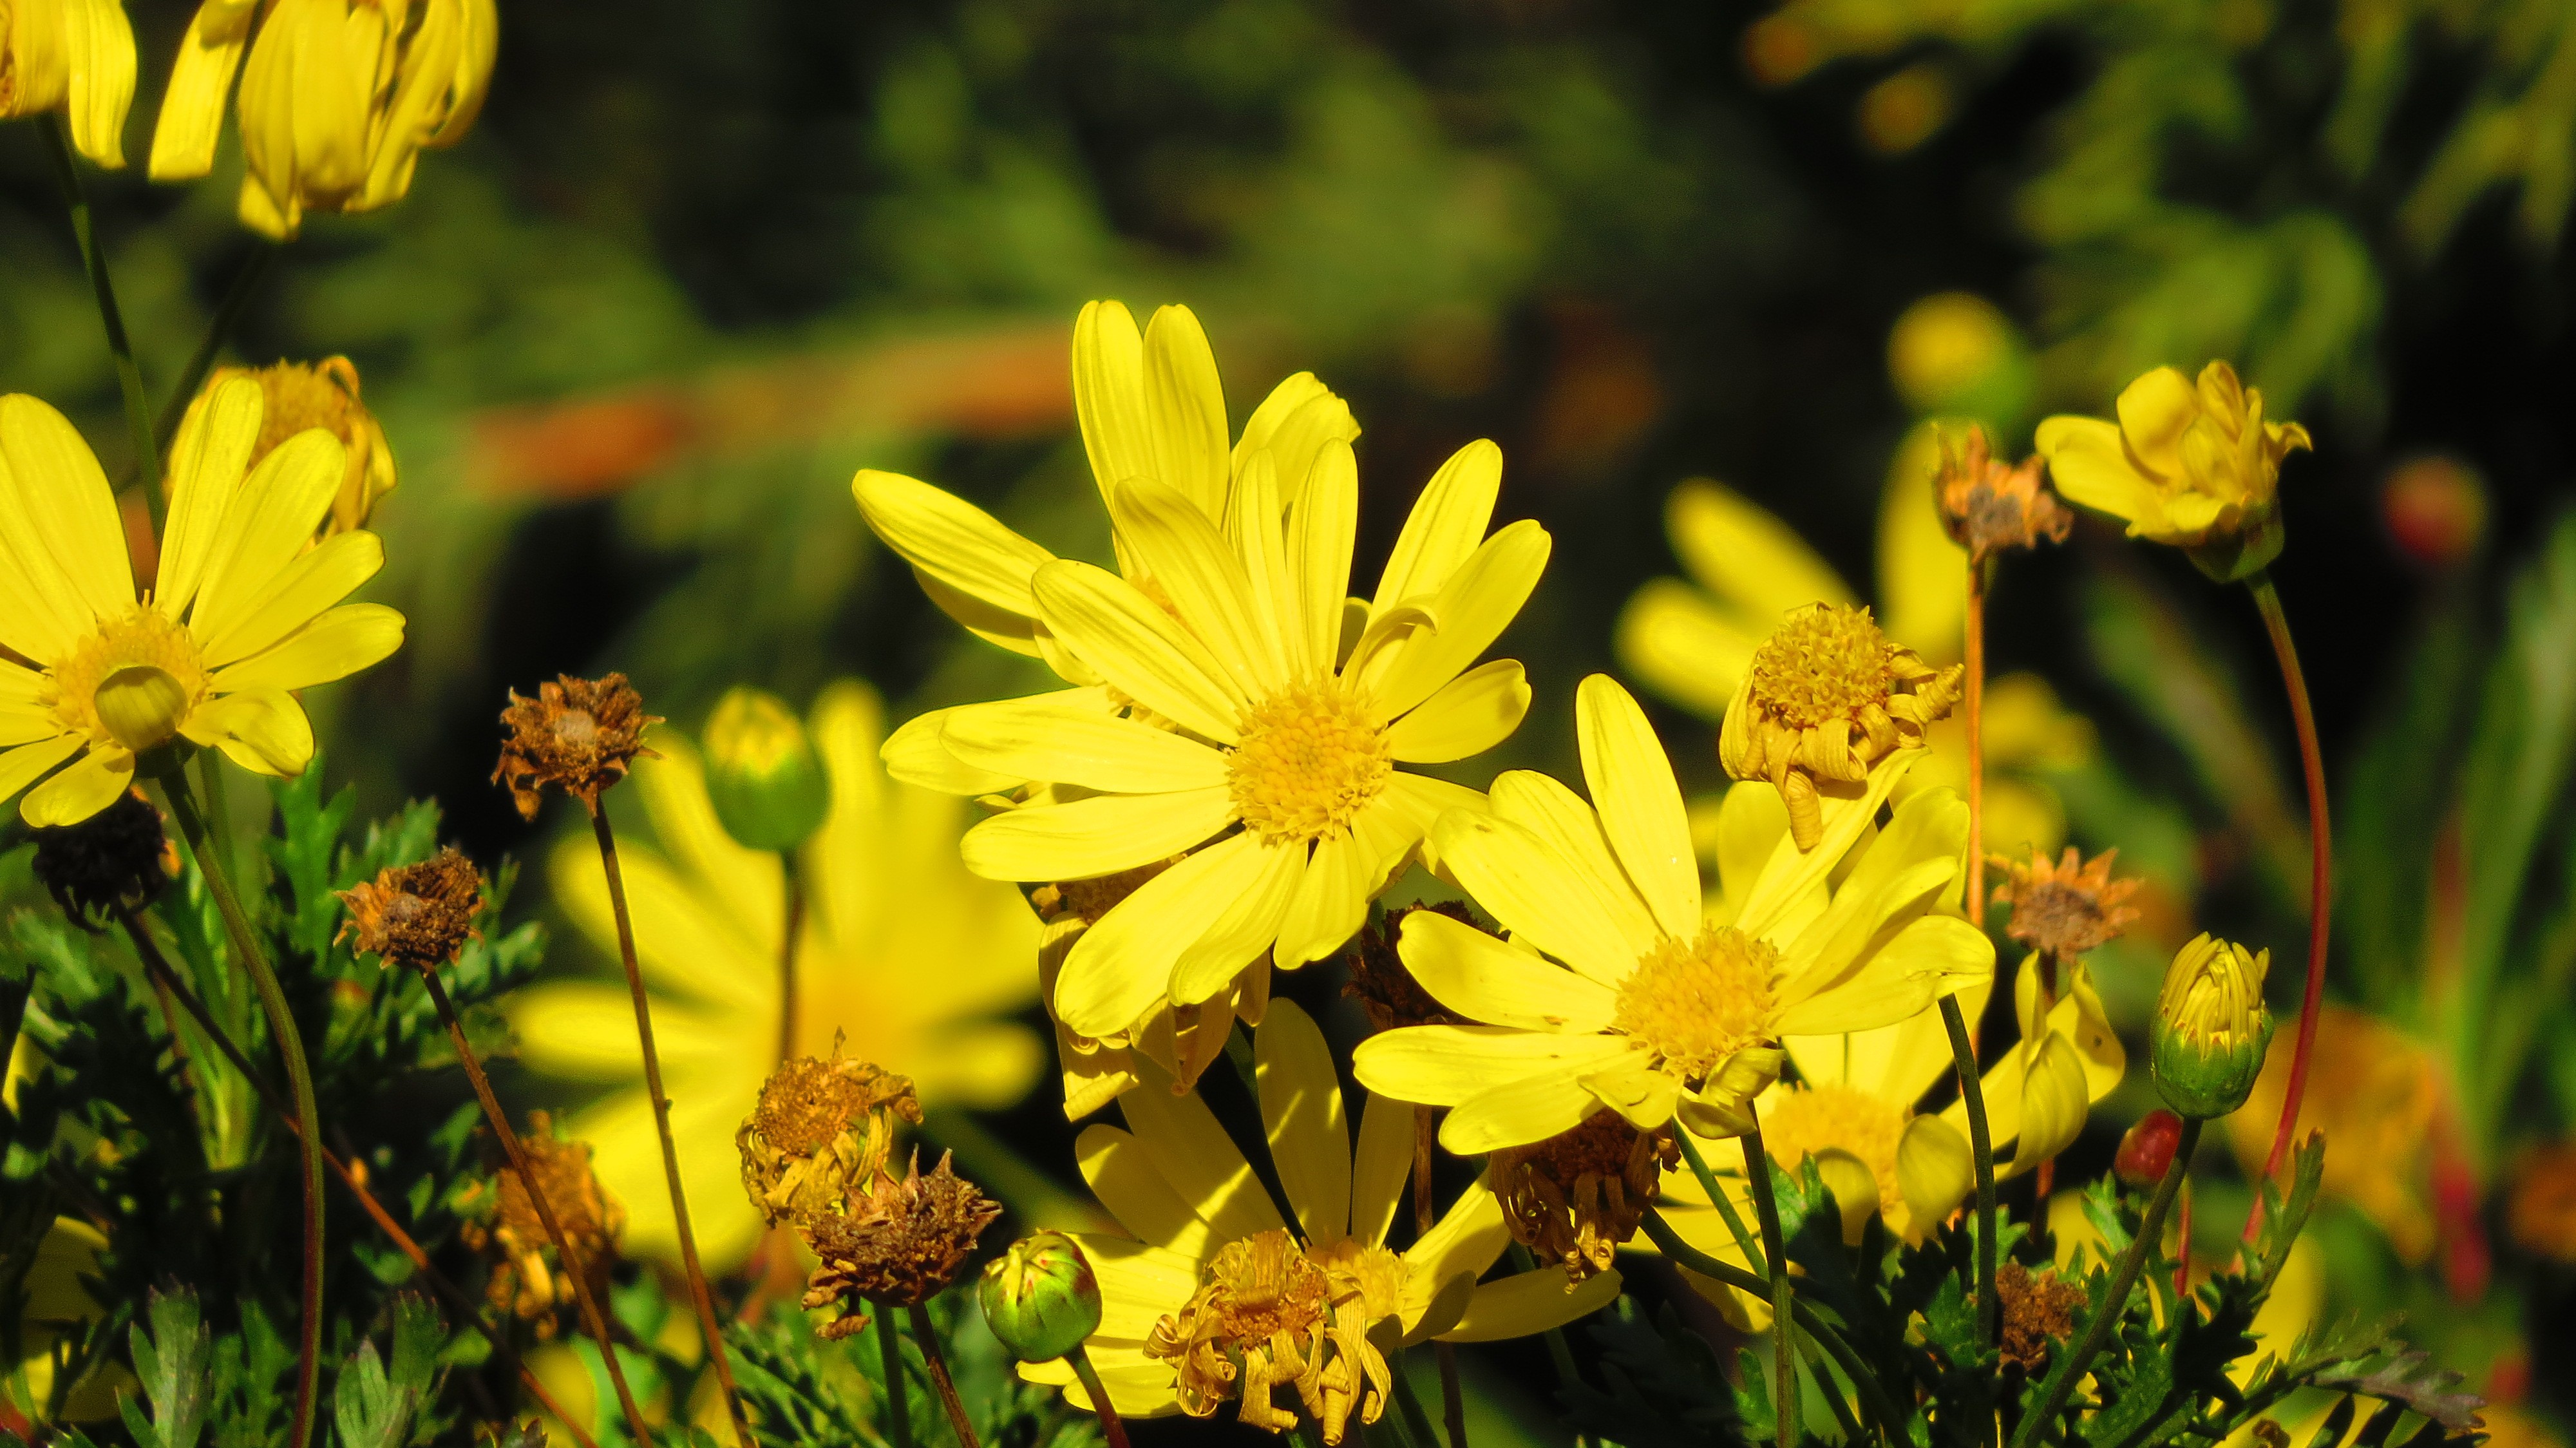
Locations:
{"points": [[768, 788], [1040, 1298], [2207, 1040]]}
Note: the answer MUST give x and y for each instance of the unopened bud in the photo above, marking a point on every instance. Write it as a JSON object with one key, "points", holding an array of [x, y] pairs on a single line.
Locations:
{"points": [[2147, 1151], [768, 788], [1040, 1298], [2211, 1027]]}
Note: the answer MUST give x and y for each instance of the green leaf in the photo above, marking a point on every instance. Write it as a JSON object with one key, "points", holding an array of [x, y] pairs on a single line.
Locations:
{"points": [[174, 1364]]}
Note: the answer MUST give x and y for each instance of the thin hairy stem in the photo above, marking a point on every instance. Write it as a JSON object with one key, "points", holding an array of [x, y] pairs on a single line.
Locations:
{"points": [[698, 1294], [2043, 1179], [167, 982], [299, 1076], [2312, 763], [898, 1403], [129, 377], [1112, 1427], [931, 1357], [228, 315], [1745, 1240], [1453, 1402], [1980, 578], [1981, 1142], [2072, 1367], [1413, 1425], [1766, 1210], [517, 1152], [794, 926]]}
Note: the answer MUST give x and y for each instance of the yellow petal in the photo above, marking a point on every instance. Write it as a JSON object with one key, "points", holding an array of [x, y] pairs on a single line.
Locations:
{"points": [[1123, 963], [1560, 818], [62, 522], [1488, 980], [1244, 929], [1528, 1303], [1331, 898], [1754, 563], [1751, 822], [201, 79], [2053, 1106], [1791, 872], [1935, 1169], [1123, 1177], [1109, 395], [1515, 875], [299, 593], [1639, 802], [91, 784], [1097, 836], [1472, 609], [915, 755], [1301, 1113], [1677, 644], [262, 729], [1138, 1282], [1322, 524], [1193, 1153], [24, 714], [1067, 738], [1195, 568], [688, 946], [1381, 1166], [25, 764], [1927, 959], [1446, 525], [1464, 1242], [1412, 803], [1185, 406], [1136, 646], [1255, 527], [1309, 420], [950, 539], [1516, 1113], [1922, 575], [1467, 716], [207, 462], [102, 52], [2087, 463], [1445, 1065], [2155, 411], [334, 646], [268, 521]]}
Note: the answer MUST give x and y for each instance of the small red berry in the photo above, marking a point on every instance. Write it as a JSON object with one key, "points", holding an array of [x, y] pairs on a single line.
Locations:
{"points": [[2148, 1149]]}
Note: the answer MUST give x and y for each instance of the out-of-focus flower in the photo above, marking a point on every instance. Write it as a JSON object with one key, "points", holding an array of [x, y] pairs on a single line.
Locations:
{"points": [[2210, 1027], [1825, 698], [1988, 505], [2435, 509], [56, 1297], [1955, 354], [75, 57], [1208, 1270], [338, 100], [2541, 1213], [239, 614], [762, 775], [2374, 1090], [577, 735], [903, 954], [1656, 1011], [530, 1279], [2195, 466], [324, 394], [2067, 909]]}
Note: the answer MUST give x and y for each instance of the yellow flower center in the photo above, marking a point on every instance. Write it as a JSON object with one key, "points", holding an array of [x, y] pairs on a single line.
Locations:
{"points": [[1696, 1002], [1379, 1273], [1798, 1124], [1310, 759], [131, 683], [1826, 665], [1267, 1316]]}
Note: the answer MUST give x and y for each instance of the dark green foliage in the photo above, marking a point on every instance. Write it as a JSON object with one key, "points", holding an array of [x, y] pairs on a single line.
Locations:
{"points": [[1665, 1387], [807, 1391]]}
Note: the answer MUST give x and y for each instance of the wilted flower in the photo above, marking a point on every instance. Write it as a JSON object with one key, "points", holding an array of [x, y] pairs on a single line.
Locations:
{"points": [[529, 1277], [2069, 908], [579, 735], [1040, 1297], [300, 395], [2210, 1027], [898, 1241], [1826, 698], [1268, 1315], [118, 859], [1988, 506], [2196, 467], [763, 776], [1386, 991], [75, 57], [1577, 1197], [822, 1129], [416, 914], [2039, 1312]]}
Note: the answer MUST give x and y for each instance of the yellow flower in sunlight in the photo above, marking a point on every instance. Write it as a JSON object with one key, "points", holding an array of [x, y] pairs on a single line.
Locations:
{"points": [[1825, 698], [903, 958], [75, 57], [323, 394], [240, 613], [2195, 466], [1657, 1010], [1211, 1295], [2374, 1090], [1231, 704], [338, 100]]}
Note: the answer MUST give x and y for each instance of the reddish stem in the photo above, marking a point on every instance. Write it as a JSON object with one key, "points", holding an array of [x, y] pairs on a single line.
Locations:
{"points": [[1975, 703], [2267, 600]]}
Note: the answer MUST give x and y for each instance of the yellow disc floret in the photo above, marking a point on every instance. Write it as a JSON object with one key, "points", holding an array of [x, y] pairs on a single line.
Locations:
{"points": [[1826, 698], [1696, 1002], [1309, 759], [1825, 666], [132, 683], [1269, 1315]]}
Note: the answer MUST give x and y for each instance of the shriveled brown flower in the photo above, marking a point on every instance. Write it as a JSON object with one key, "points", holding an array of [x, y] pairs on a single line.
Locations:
{"points": [[528, 1273], [1288, 1321], [2039, 1311], [1577, 1197], [897, 1241], [2068, 908], [1825, 698], [820, 1129], [118, 859], [1183, 1040], [1381, 984], [417, 914], [324, 394], [578, 735], [1987, 505]]}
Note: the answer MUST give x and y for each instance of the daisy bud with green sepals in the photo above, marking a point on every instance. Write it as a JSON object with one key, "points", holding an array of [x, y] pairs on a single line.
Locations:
{"points": [[1040, 1298], [763, 778], [2211, 1027]]}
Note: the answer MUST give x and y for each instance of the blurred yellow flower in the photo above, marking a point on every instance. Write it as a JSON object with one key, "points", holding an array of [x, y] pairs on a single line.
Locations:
{"points": [[904, 958], [324, 394], [75, 57], [337, 102], [55, 1296], [240, 612], [2374, 1090], [1657, 1011], [1199, 1224], [2191, 465]]}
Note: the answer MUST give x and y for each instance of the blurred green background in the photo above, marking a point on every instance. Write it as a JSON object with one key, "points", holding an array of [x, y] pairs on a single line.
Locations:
{"points": [[697, 263]]}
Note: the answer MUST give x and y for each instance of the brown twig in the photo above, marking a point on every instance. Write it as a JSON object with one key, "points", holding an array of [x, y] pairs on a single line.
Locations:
{"points": [[937, 1362]]}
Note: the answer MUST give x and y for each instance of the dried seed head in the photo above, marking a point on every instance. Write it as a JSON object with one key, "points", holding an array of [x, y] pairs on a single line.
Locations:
{"points": [[2039, 1311], [528, 1273], [116, 860], [2068, 908], [1578, 1196], [897, 1241], [578, 735], [416, 914], [821, 1129], [1987, 506], [1381, 984]]}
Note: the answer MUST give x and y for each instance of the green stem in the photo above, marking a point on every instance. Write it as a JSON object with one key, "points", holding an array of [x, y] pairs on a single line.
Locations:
{"points": [[1766, 1209], [1415, 1422], [228, 315], [1111, 1427], [299, 1076], [129, 377], [1745, 1241], [1559, 1351], [927, 1337], [793, 926], [1972, 1091], [1453, 1400], [2267, 601], [1813, 1352], [890, 1352], [2061, 1381]]}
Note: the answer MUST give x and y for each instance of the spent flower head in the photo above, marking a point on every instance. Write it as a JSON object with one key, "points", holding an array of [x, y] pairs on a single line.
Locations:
{"points": [[324, 394], [529, 1276], [1826, 698], [821, 1129], [2069, 908], [1267, 1316], [2038, 1313], [2193, 465], [2210, 1027], [1988, 505], [897, 1241], [578, 735], [418, 914], [1576, 1198], [118, 859]]}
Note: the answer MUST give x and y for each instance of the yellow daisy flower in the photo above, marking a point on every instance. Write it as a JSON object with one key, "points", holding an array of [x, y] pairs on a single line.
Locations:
{"points": [[72, 56], [904, 958], [1203, 1237], [1617, 989], [239, 615], [1692, 641]]}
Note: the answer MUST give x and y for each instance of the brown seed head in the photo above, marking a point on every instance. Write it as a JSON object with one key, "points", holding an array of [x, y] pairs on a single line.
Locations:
{"points": [[528, 1273], [578, 735], [2039, 1310], [1988, 506], [2068, 908], [116, 860], [416, 914], [1824, 699], [1578, 1196], [820, 1129], [1267, 1316], [297, 396], [897, 1241], [1381, 984]]}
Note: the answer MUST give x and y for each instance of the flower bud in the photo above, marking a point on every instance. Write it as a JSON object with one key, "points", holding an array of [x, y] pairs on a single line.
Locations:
{"points": [[1855, 1189], [2147, 1150], [1040, 1298], [2211, 1028], [767, 786], [1935, 1170]]}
